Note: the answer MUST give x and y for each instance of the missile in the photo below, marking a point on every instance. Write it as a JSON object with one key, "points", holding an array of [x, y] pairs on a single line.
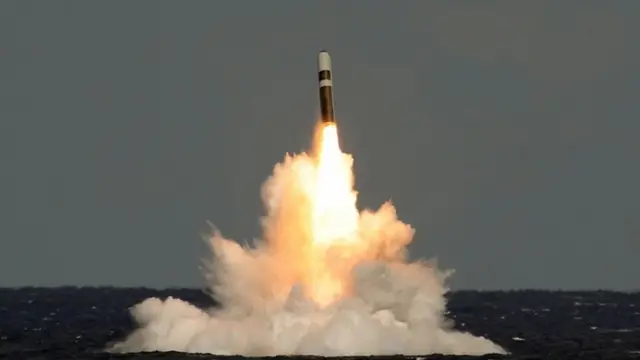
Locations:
{"points": [[326, 87]]}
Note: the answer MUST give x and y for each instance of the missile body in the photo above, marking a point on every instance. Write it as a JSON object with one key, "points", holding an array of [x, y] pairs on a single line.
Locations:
{"points": [[326, 87]]}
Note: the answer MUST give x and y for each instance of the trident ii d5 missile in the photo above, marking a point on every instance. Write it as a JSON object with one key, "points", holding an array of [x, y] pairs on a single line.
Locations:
{"points": [[326, 87]]}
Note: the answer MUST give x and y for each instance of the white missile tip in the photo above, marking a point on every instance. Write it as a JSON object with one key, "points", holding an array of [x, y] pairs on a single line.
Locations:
{"points": [[324, 61]]}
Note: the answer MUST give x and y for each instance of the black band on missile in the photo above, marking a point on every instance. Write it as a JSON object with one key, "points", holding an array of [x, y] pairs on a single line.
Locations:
{"points": [[324, 75], [326, 104]]}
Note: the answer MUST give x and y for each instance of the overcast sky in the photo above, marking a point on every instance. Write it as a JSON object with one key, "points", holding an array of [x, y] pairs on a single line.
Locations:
{"points": [[505, 132]]}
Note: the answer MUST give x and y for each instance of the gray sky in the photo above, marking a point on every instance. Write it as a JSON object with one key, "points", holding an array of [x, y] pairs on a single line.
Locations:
{"points": [[505, 132]]}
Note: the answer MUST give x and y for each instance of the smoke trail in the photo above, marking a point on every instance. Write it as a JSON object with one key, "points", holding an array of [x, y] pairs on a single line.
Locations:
{"points": [[291, 294]]}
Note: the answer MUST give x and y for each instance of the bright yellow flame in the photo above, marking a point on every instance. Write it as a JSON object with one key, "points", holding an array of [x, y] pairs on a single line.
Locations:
{"points": [[314, 230], [335, 215]]}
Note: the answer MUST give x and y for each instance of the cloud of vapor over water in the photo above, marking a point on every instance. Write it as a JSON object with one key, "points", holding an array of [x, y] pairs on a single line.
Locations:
{"points": [[303, 290]]}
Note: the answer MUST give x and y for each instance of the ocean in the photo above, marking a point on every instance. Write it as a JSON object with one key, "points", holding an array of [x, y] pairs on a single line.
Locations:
{"points": [[78, 323]]}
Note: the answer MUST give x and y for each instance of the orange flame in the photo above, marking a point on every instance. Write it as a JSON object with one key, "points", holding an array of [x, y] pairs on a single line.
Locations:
{"points": [[335, 216]]}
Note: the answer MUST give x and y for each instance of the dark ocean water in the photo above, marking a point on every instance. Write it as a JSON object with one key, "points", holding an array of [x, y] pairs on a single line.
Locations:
{"points": [[76, 323]]}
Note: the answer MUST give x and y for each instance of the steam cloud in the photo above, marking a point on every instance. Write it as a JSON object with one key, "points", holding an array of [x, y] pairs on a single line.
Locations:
{"points": [[390, 306]]}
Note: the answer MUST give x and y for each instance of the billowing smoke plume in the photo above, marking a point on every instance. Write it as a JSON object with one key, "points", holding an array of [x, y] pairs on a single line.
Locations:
{"points": [[300, 292]]}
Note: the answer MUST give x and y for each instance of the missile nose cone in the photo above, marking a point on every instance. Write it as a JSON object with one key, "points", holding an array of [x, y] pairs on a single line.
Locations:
{"points": [[324, 61]]}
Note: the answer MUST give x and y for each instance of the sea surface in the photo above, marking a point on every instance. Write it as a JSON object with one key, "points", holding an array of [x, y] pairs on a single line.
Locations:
{"points": [[77, 323]]}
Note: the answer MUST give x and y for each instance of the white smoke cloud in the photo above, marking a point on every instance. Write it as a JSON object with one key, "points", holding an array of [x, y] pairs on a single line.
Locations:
{"points": [[391, 306]]}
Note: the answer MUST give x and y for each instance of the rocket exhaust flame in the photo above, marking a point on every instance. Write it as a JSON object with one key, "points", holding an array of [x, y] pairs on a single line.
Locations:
{"points": [[325, 279], [335, 216]]}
